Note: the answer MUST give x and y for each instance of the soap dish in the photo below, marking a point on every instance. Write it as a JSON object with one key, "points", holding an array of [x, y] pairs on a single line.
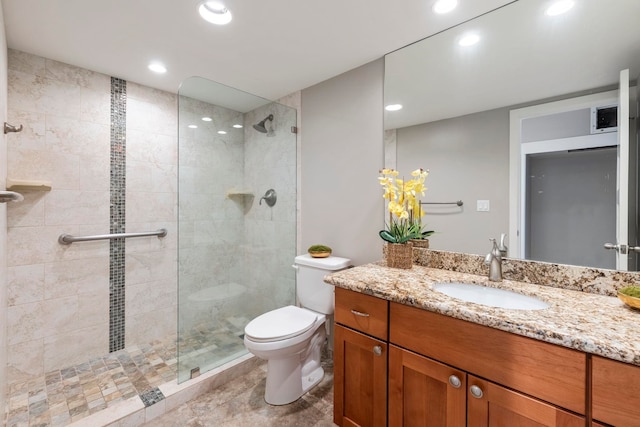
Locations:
{"points": [[319, 254], [630, 301]]}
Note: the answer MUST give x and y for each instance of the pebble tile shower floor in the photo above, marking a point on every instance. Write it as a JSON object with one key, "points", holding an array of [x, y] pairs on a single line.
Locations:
{"points": [[61, 397]]}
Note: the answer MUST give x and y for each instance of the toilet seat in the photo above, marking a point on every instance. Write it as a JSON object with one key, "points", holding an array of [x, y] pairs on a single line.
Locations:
{"points": [[280, 324]]}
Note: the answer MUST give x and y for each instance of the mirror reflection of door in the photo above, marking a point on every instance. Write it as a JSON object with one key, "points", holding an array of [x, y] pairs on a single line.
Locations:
{"points": [[571, 206], [570, 180]]}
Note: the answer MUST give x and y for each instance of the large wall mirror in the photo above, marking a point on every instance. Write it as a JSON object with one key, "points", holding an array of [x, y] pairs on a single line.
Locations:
{"points": [[555, 77]]}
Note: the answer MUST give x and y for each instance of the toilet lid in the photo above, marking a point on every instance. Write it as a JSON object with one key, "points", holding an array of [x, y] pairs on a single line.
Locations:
{"points": [[280, 324]]}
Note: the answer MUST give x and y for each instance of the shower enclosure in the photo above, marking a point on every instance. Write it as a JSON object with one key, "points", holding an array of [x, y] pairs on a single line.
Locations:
{"points": [[236, 218]]}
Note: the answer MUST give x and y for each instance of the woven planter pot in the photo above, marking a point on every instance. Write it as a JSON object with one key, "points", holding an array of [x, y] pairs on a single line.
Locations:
{"points": [[420, 243], [399, 255]]}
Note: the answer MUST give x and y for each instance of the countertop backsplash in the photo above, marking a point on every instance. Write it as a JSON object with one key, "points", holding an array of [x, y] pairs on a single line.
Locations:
{"points": [[585, 279]]}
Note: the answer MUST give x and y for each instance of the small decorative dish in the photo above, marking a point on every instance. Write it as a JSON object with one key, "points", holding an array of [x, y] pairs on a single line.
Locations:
{"points": [[630, 296], [319, 254], [319, 251]]}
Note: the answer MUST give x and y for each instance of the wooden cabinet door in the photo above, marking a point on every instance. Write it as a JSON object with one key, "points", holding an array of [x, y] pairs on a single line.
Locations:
{"points": [[423, 392], [615, 392], [360, 379], [489, 404]]}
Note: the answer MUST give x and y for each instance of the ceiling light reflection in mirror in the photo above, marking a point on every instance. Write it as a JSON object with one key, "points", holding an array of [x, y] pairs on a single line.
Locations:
{"points": [[526, 55], [559, 7]]}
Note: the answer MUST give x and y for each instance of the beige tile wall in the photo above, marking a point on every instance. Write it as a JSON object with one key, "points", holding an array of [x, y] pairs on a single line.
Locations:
{"points": [[58, 296]]}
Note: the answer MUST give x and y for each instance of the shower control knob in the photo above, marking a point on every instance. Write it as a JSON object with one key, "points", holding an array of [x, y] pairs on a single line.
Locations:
{"points": [[270, 197], [377, 350]]}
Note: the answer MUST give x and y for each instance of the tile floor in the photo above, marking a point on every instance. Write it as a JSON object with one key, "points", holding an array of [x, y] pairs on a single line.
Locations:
{"points": [[61, 397], [64, 396], [240, 403]]}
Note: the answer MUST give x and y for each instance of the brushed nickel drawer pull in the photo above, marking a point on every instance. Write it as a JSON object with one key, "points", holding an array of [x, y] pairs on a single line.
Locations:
{"points": [[377, 350], [476, 391], [359, 313], [455, 381]]}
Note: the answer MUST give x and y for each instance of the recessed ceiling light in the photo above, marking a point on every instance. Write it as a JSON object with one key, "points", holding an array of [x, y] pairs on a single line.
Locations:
{"points": [[393, 107], [214, 12], [559, 7], [469, 40], [207, 119], [237, 126], [193, 126], [222, 132], [157, 67], [444, 6]]}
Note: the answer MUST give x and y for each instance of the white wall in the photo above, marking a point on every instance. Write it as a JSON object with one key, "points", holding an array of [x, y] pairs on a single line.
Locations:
{"points": [[342, 152], [3, 218]]}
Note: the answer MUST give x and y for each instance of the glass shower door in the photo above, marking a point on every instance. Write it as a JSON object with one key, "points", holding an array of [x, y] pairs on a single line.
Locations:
{"points": [[235, 250]]}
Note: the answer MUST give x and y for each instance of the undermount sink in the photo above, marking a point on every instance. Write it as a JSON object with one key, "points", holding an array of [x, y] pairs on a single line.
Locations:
{"points": [[491, 297]]}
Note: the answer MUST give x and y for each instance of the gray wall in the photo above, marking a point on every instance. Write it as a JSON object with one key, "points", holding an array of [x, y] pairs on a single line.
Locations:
{"points": [[468, 160], [342, 151]]}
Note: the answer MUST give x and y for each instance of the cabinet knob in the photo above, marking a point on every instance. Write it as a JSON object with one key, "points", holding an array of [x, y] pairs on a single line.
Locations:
{"points": [[359, 313], [476, 391], [455, 381], [377, 350]]}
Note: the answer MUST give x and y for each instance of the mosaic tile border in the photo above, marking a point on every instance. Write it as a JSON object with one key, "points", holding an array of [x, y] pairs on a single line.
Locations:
{"points": [[117, 214]]}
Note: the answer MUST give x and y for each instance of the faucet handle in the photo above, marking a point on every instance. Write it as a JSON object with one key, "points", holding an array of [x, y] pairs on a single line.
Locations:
{"points": [[495, 251], [503, 246], [487, 259]]}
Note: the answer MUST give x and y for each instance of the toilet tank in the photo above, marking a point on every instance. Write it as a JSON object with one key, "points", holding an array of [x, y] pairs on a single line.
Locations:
{"points": [[313, 292]]}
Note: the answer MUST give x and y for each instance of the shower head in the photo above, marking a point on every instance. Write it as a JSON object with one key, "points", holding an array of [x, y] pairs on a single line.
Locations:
{"points": [[261, 127]]}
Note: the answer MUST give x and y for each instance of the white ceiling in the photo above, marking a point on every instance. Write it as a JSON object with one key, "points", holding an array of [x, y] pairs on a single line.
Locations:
{"points": [[271, 48]]}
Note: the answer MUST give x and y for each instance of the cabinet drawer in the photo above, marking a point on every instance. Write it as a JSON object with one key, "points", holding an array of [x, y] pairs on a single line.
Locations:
{"points": [[549, 372], [362, 312], [616, 392]]}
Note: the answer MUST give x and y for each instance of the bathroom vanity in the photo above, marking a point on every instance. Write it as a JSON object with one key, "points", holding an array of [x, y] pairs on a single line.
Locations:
{"points": [[405, 354]]}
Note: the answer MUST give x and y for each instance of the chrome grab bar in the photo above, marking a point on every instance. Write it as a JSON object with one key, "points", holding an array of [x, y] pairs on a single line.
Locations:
{"points": [[67, 239], [459, 203]]}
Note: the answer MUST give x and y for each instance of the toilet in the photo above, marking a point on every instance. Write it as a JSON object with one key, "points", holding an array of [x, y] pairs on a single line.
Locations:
{"points": [[291, 338]]}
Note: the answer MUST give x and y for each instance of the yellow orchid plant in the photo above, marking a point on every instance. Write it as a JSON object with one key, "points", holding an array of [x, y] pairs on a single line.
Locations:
{"points": [[405, 211]]}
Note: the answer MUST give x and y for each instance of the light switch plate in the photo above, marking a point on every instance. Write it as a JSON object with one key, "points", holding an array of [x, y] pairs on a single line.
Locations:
{"points": [[483, 206]]}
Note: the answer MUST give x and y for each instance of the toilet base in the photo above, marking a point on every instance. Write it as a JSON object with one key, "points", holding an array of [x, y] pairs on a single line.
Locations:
{"points": [[284, 389], [313, 379], [288, 378], [283, 381]]}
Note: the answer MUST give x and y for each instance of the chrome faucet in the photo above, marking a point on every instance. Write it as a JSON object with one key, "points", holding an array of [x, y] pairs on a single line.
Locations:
{"points": [[494, 261]]}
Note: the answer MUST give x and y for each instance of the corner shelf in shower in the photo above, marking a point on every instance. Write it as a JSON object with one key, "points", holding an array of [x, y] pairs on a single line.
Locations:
{"points": [[239, 193], [28, 185]]}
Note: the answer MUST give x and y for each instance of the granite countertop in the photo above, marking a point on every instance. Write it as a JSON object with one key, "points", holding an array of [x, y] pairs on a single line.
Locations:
{"points": [[596, 324]]}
